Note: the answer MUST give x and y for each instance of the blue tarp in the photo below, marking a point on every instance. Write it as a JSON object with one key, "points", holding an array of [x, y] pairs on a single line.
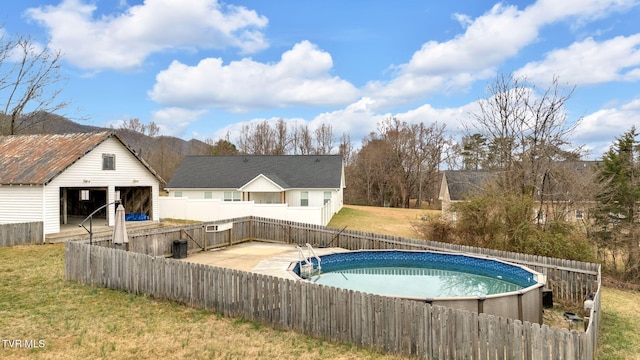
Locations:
{"points": [[136, 217]]}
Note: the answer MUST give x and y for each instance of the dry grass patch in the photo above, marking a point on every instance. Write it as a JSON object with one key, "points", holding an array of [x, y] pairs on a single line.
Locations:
{"points": [[379, 220], [77, 321]]}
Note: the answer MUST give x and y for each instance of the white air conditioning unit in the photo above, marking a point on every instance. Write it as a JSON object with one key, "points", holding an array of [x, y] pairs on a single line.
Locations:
{"points": [[219, 227]]}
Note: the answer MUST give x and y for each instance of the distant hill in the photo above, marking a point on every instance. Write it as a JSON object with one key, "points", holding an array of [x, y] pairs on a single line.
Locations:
{"points": [[163, 153]]}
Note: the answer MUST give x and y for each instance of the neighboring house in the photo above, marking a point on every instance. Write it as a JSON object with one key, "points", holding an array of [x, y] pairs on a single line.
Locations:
{"points": [[571, 177], [280, 186], [458, 185], [60, 179]]}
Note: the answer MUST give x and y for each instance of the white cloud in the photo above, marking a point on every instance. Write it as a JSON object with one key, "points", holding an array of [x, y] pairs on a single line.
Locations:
{"points": [[590, 62], [174, 121], [486, 43], [601, 128], [125, 40], [488, 40], [301, 77]]}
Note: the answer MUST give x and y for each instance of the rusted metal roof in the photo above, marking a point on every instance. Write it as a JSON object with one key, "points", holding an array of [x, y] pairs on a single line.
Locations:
{"points": [[38, 159]]}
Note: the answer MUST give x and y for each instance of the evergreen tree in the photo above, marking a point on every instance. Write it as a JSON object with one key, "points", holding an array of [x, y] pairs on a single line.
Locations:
{"points": [[474, 151], [617, 231]]}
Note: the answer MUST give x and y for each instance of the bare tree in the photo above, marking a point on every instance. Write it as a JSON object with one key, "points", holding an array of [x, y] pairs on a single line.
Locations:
{"points": [[303, 141], [153, 129], [399, 163], [257, 139], [526, 130], [134, 124], [346, 148], [373, 170], [429, 145], [324, 139], [282, 140], [30, 83]]}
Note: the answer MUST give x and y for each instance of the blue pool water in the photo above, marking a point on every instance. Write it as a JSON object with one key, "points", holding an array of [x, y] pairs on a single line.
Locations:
{"points": [[414, 282], [420, 274]]}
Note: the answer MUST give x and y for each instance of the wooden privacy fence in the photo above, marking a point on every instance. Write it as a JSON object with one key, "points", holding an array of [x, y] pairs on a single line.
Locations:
{"points": [[158, 242], [29, 233], [388, 324], [384, 323]]}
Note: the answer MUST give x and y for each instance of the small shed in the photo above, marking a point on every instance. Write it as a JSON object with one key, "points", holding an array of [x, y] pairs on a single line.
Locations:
{"points": [[62, 178]]}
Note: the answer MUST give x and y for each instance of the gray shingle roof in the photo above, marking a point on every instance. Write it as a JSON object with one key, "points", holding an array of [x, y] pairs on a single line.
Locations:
{"points": [[465, 182], [232, 172]]}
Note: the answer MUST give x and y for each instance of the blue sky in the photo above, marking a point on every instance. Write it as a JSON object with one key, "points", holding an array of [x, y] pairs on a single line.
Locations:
{"points": [[202, 68]]}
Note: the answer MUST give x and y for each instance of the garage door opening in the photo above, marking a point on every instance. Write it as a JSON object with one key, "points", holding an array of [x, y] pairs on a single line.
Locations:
{"points": [[78, 203], [137, 201]]}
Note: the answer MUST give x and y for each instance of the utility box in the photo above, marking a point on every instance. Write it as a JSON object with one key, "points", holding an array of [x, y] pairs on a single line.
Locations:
{"points": [[179, 249], [547, 298]]}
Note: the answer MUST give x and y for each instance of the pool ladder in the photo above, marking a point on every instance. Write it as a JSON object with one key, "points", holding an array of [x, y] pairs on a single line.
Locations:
{"points": [[306, 266]]}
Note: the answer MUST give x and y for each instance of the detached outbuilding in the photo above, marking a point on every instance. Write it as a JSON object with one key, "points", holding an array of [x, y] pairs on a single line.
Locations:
{"points": [[62, 178]]}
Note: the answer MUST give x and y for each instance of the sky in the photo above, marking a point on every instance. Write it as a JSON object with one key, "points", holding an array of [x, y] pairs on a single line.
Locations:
{"points": [[204, 68]]}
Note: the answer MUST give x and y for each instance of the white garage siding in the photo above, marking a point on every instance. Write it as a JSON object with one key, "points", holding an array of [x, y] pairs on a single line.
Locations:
{"points": [[21, 203], [87, 172]]}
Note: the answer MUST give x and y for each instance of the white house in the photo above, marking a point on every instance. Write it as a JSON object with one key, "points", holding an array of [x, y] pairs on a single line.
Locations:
{"points": [[304, 188], [57, 179]]}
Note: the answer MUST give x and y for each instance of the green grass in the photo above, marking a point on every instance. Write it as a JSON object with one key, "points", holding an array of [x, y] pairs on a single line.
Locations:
{"points": [[77, 321], [615, 332], [620, 329]]}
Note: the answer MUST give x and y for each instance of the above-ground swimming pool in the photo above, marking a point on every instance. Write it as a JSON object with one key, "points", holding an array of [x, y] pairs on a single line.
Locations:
{"points": [[455, 280]]}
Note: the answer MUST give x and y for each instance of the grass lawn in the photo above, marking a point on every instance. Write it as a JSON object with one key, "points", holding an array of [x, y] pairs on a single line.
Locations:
{"points": [[620, 329], [379, 220], [82, 322]]}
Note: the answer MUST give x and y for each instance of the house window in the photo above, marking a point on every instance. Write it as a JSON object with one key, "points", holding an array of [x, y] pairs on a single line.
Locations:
{"points": [[208, 195], [327, 197], [232, 196], [108, 162], [177, 194], [272, 198], [579, 214], [304, 198], [84, 195]]}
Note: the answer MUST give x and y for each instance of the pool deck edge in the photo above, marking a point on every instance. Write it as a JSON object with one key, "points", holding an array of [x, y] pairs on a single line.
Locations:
{"points": [[279, 265]]}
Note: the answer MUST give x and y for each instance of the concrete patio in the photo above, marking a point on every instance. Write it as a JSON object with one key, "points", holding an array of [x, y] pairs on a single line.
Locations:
{"points": [[260, 257]]}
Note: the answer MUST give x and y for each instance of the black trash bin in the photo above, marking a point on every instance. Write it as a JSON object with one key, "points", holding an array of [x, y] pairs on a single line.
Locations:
{"points": [[179, 250]]}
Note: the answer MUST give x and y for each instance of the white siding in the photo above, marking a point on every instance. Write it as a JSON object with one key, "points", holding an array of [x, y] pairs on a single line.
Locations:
{"points": [[213, 210], [316, 197], [21, 204], [87, 172], [199, 193], [261, 184]]}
